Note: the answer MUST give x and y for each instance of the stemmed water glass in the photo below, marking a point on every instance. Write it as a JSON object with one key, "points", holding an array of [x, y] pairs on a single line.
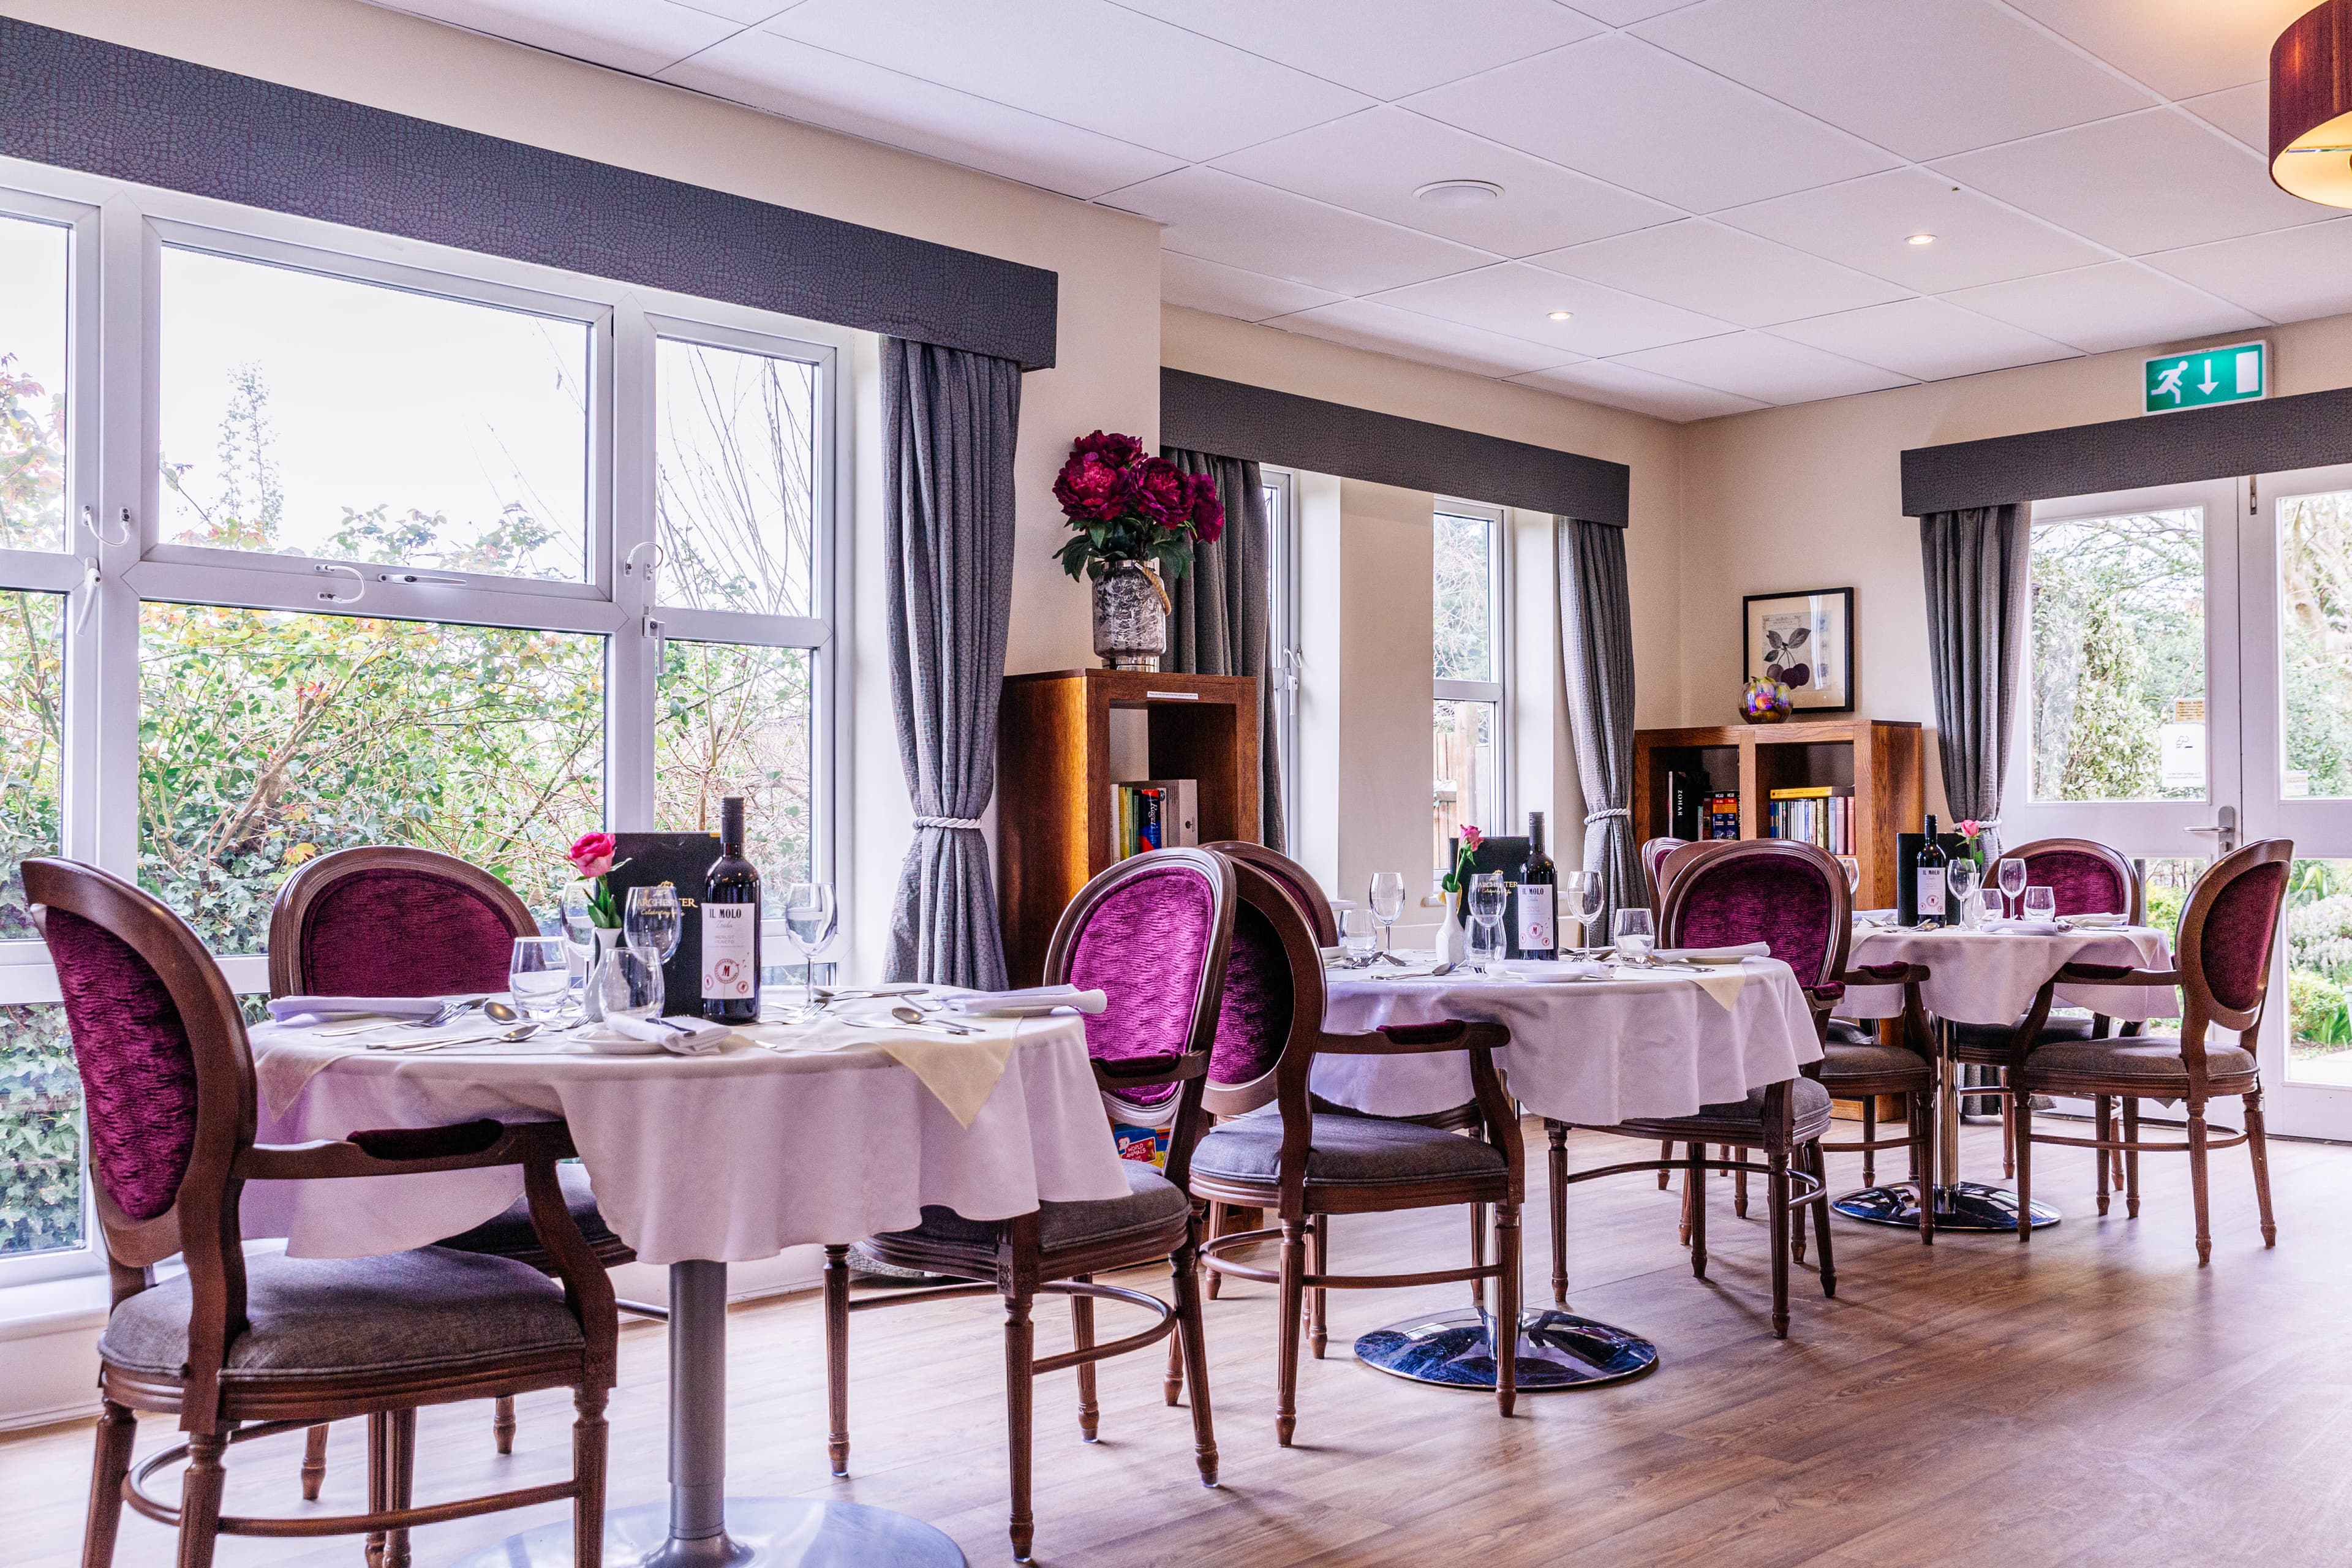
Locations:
{"points": [[1960, 879], [1388, 904], [651, 921], [1585, 897], [809, 915], [1636, 935], [1487, 900], [2012, 881]]}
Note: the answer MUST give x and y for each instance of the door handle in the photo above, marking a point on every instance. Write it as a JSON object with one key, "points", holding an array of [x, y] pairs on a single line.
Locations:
{"points": [[2222, 830]]}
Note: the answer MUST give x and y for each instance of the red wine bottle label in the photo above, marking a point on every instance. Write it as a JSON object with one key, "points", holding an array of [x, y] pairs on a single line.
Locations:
{"points": [[1537, 918], [728, 975]]}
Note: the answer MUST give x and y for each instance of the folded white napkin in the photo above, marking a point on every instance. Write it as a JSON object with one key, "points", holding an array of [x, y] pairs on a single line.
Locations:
{"points": [[303, 1010], [2094, 922], [682, 1036], [1732, 955], [2030, 928], [1033, 995], [1542, 970]]}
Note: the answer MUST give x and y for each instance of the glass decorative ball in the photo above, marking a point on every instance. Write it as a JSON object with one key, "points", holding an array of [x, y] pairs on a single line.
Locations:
{"points": [[1763, 702]]}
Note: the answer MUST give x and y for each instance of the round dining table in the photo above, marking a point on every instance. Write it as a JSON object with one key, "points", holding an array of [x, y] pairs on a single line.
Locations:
{"points": [[786, 1135], [1593, 1044], [1989, 974]]}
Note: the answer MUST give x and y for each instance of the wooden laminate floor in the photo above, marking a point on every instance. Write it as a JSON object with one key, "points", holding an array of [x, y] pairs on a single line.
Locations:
{"points": [[2093, 1398]]}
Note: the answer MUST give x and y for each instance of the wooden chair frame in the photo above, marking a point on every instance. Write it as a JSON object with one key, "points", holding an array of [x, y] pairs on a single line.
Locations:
{"points": [[1018, 1267], [201, 1227], [1319, 914], [1299, 1202], [2201, 1009]]}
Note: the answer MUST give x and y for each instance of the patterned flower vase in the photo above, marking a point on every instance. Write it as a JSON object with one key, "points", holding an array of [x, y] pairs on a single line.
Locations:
{"points": [[1131, 620], [1763, 702]]}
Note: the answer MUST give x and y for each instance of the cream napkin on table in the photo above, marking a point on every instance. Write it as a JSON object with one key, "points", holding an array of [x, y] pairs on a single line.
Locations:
{"points": [[1722, 984], [961, 1071]]}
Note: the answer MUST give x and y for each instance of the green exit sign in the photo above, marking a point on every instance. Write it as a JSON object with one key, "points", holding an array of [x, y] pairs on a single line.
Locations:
{"points": [[2239, 374]]}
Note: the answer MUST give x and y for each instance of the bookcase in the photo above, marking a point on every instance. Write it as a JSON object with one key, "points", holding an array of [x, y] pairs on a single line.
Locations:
{"points": [[1880, 760], [1056, 800]]}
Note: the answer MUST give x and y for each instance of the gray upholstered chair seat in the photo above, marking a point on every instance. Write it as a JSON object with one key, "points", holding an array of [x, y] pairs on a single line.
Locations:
{"points": [[1995, 1037], [1741, 1120], [2154, 1058], [1844, 1031], [510, 1234], [1343, 1149], [421, 1312], [1152, 1207], [1845, 1059]]}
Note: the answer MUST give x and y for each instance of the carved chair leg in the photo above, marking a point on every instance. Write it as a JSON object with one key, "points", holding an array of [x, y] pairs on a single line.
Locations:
{"points": [[1287, 1315], [1665, 1177], [1319, 1259], [2131, 1157], [2105, 1122], [1695, 1201], [1797, 1215], [502, 1422], [1558, 1136], [200, 1500], [589, 1447], [1869, 1137], [1020, 1380], [118, 1426], [1739, 1188], [1478, 1260], [2259, 1147], [2008, 1135], [1082, 1336], [2022, 1104], [314, 1463], [836, 1358], [1777, 1200], [1694, 1194], [2197, 1189], [1214, 1229], [1817, 1165], [401, 1472], [379, 1477], [1506, 1307], [1188, 1338]]}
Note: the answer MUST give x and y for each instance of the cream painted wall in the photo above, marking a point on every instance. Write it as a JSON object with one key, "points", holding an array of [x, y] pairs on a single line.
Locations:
{"points": [[1811, 496]]}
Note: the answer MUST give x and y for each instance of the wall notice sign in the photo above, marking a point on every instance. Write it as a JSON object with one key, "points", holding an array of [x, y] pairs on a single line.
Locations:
{"points": [[2239, 374], [2180, 756]]}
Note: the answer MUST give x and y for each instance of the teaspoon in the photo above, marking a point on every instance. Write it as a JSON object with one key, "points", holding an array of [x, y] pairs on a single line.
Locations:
{"points": [[909, 1015]]}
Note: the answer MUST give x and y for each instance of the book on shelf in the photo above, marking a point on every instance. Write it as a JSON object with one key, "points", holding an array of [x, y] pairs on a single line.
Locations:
{"points": [[1158, 814], [1722, 817], [1687, 803], [1819, 815]]}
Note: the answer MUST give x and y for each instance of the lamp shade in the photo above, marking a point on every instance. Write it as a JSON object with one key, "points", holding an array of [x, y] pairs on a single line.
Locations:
{"points": [[2311, 106]]}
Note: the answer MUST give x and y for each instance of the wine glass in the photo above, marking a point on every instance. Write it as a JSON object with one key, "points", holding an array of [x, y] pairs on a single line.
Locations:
{"points": [[538, 975], [1388, 904], [1852, 866], [1356, 936], [1585, 896], [651, 921], [2040, 903], [1960, 881], [1486, 899], [809, 915], [1636, 935], [2012, 881], [629, 983]]}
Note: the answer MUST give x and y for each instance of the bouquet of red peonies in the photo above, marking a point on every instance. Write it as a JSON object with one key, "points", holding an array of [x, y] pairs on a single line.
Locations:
{"points": [[1127, 507]]}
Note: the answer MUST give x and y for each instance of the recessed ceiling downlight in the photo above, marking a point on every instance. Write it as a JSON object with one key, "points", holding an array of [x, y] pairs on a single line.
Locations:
{"points": [[1459, 193], [1920, 240], [1562, 315]]}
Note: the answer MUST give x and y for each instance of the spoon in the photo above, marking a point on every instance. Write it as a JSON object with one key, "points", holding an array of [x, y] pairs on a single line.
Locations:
{"points": [[520, 1032], [500, 1013], [909, 1015]]}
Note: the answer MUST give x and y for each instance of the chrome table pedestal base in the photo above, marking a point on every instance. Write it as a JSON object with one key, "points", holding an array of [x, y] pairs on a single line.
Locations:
{"points": [[701, 1526], [1961, 1207], [1555, 1349]]}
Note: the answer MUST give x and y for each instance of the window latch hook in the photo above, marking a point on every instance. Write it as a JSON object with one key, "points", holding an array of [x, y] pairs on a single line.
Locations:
{"points": [[329, 596]]}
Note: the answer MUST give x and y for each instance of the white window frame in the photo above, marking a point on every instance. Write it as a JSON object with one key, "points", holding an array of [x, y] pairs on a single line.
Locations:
{"points": [[118, 233], [1499, 642], [1283, 659]]}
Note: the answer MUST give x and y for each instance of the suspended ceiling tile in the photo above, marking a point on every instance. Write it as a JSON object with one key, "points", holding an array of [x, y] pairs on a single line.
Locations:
{"points": [[1360, 324], [793, 80], [1223, 290], [1722, 272], [1625, 111], [1223, 217], [636, 36], [1516, 299], [2291, 276], [2243, 111], [2179, 47], [2119, 305], [1624, 13], [1384, 47], [1924, 78], [1866, 223], [1928, 340], [1767, 368], [1622, 386]]}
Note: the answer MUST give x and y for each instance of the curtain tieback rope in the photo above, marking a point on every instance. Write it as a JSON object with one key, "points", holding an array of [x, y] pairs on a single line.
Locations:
{"points": [[970, 824], [1606, 812]]}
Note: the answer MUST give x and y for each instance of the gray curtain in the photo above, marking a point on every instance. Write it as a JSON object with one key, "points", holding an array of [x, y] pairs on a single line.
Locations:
{"points": [[1219, 622], [1596, 633], [1974, 562], [949, 419]]}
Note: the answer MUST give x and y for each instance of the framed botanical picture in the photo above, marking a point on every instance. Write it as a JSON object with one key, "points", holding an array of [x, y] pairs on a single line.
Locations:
{"points": [[1805, 641]]}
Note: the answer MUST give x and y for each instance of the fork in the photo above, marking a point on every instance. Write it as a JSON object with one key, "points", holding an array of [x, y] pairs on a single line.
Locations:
{"points": [[447, 1013]]}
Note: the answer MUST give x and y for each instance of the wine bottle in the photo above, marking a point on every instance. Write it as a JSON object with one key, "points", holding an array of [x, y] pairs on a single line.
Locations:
{"points": [[731, 926], [1930, 875], [1538, 900]]}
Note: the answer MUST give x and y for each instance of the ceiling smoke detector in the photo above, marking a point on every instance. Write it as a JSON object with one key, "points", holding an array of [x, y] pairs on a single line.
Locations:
{"points": [[1459, 193]]}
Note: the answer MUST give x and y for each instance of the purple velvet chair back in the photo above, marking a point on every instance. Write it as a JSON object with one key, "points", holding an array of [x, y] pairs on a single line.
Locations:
{"points": [[2230, 929], [388, 921], [1788, 894], [1154, 933], [1293, 878], [1653, 863], [2085, 877], [1274, 992]]}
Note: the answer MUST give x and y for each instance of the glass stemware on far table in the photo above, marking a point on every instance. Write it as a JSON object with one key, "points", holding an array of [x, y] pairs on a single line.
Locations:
{"points": [[2012, 880], [809, 915], [1580, 899], [1961, 877], [1387, 899], [1487, 898]]}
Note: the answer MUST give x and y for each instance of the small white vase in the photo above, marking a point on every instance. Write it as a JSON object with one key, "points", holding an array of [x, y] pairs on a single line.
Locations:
{"points": [[607, 940], [1453, 938]]}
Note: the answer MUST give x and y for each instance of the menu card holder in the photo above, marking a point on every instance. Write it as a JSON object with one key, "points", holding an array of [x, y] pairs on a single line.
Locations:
{"points": [[683, 860], [1503, 854], [1906, 877]]}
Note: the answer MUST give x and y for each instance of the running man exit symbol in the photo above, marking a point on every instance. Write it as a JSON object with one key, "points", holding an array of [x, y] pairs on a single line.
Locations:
{"points": [[2238, 373]]}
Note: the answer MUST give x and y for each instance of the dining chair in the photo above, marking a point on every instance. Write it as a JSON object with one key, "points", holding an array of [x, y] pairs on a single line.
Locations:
{"points": [[1654, 852], [238, 1347], [1295, 880], [1153, 933], [1279, 1149], [383, 920], [1663, 859], [1792, 897], [2228, 933], [2086, 877]]}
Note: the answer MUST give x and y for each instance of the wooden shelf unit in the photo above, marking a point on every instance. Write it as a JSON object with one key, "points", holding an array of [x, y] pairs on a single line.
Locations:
{"points": [[1880, 758], [1057, 817]]}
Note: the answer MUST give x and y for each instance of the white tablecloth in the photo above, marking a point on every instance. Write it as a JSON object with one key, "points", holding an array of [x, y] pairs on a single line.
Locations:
{"points": [[1593, 1051], [1991, 976], [728, 1157]]}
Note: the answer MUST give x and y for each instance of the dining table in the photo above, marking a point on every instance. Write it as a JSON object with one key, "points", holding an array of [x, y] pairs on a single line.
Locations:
{"points": [[1990, 974], [1594, 1043], [790, 1133]]}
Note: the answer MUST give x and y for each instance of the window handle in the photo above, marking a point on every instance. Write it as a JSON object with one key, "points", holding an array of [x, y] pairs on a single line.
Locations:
{"points": [[2222, 829], [419, 577]]}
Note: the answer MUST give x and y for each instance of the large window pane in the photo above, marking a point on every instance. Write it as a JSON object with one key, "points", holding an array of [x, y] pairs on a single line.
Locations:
{"points": [[2316, 644], [40, 1133], [1464, 783], [1465, 630], [268, 737], [2118, 609], [2320, 972], [319, 415], [33, 259], [735, 721], [32, 741], [736, 479]]}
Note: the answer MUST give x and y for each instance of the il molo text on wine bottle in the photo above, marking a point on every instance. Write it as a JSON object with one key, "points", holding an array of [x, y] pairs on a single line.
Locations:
{"points": [[730, 925], [1537, 914]]}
